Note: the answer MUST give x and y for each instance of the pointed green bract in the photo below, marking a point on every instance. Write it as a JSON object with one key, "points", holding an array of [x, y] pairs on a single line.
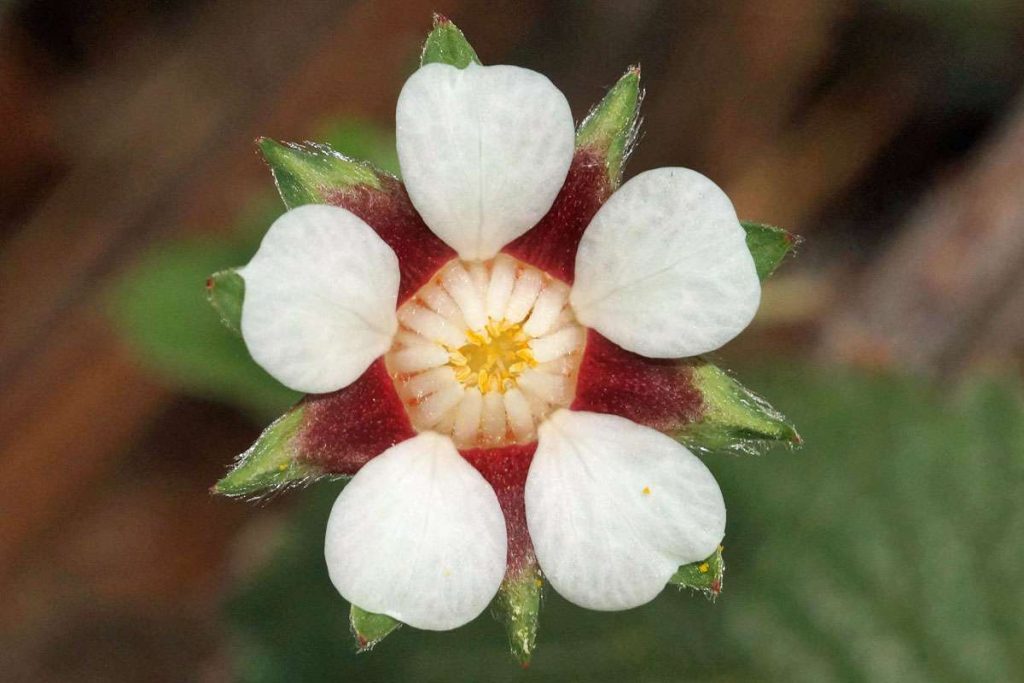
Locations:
{"points": [[271, 463], [734, 418], [306, 173], [517, 605], [225, 291], [704, 576], [611, 126], [369, 629], [769, 246], [446, 44]]}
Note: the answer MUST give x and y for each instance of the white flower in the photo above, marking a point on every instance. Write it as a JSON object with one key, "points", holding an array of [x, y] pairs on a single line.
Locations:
{"points": [[486, 355]]}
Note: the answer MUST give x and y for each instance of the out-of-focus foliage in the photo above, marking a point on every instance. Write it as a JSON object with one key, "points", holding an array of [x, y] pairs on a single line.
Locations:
{"points": [[888, 549], [160, 305]]}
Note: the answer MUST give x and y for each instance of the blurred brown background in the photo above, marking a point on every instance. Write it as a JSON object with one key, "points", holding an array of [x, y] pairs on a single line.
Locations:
{"points": [[889, 134]]}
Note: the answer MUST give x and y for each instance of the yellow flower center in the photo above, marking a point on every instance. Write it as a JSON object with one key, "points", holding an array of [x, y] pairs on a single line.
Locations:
{"points": [[492, 359]]}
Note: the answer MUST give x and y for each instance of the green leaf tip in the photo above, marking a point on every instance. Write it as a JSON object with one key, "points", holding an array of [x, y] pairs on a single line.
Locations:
{"points": [[517, 606], [369, 628], [446, 44], [271, 463], [225, 290], [612, 125], [735, 419], [704, 576], [310, 173], [769, 246]]}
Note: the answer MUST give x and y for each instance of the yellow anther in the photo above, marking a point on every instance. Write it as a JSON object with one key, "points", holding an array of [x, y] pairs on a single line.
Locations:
{"points": [[463, 373], [525, 354], [646, 491], [704, 567], [494, 328], [519, 337], [476, 338], [456, 358], [516, 368], [538, 582], [481, 381]]}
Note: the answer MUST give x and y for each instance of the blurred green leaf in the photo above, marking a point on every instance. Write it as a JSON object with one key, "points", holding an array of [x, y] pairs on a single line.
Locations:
{"points": [[611, 127], [446, 44], [768, 245], [888, 549], [160, 308]]}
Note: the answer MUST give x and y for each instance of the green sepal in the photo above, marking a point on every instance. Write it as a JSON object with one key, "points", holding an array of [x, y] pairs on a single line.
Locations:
{"points": [[734, 419], [272, 462], [517, 606], [225, 291], [369, 628], [309, 173], [768, 245], [446, 44], [704, 576], [611, 126]]}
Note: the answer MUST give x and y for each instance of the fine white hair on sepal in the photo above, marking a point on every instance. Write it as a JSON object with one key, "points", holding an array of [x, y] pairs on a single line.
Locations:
{"points": [[615, 508], [483, 150], [418, 534], [320, 298], [663, 269]]}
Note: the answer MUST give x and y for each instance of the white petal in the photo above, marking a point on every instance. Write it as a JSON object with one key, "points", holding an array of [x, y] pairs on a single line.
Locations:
{"points": [[320, 297], [500, 288], [483, 151], [614, 508], [663, 269], [418, 535]]}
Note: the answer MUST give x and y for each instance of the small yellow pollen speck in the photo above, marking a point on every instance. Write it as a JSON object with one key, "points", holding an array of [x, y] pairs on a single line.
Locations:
{"points": [[282, 467], [646, 491], [704, 567], [538, 582]]}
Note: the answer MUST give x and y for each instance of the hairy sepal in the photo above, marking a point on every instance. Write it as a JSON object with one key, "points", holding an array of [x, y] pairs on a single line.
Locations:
{"points": [[446, 44], [769, 245], [273, 462], [517, 606], [225, 291], [369, 628], [610, 129], [331, 434], [704, 576], [691, 399]]}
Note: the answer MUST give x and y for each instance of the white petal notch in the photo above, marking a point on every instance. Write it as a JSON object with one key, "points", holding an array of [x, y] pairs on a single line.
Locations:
{"points": [[483, 150], [320, 298], [615, 508], [418, 534], [663, 269]]}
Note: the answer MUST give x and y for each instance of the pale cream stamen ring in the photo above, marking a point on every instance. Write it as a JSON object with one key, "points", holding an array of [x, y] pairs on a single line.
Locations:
{"points": [[485, 351]]}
